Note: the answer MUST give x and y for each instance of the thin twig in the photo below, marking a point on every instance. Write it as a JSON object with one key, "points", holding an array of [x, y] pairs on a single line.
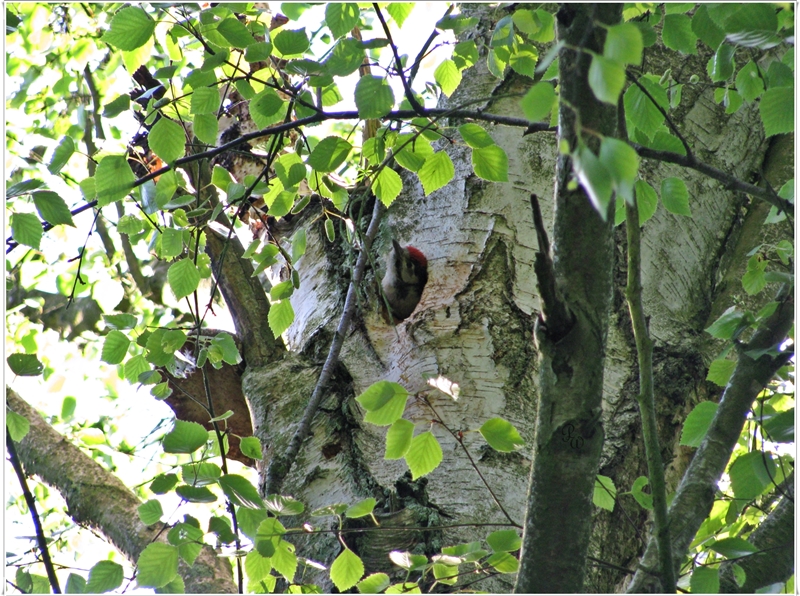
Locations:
{"points": [[37, 522], [398, 63], [280, 465], [460, 440], [664, 113]]}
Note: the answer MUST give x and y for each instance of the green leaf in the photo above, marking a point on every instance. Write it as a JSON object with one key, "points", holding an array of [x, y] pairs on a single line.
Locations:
{"points": [[749, 83], [104, 576], [341, 18], [281, 316], [727, 324], [640, 111], [346, 570], [195, 494], [538, 101], [705, 580], [157, 565], [707, 28], [206, 128], [267, 108], [75, 584], [407, 561], [504, 541], [361, 509], [646, 199], [189, 540], [436, 172], [697, 423], [398, 439], [377, 582], [721, 65], [257, 566], [503, 562], [329, 154], [501, 435], [490, 163], [475, 136], [23, 188], [448, 76], [291, 42], [622, 164], [780, 427], [605, 493], [204, 100], [171, 244], [606, 78], [346, 57], [150, 512], [255, 52], [733, 547], [135, 366], [130, 29], [399, 11], [68, 406], [384, 402], [374, 97], [290, 169], [200, 474], [113, 179], [411, 152], [17, 425], [424, 455], [25, 365], [387, 186], [720, 371], [61, 155], [285, 561], [749, 476], [183, 277], [753, 281], [115, 346], [677, 34], [594, 178], [235, 33], [644, 499], [465, 54], [52, 208], [779, 75], [163, 483], [240, 491], [26, 229], [753, 26], [777, 110], [624, 44], [675, 196], [118, 106], [280, 505], [185, 437]]}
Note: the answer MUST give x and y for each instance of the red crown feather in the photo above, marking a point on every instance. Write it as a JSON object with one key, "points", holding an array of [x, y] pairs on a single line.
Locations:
{"points": [[417, 255]]}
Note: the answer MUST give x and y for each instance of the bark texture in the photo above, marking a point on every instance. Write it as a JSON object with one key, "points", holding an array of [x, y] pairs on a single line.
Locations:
{"points": [[569, 433], [100, 499]]}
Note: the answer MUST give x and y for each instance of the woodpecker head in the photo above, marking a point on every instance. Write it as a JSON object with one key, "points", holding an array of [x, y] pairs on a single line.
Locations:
{"points": [[406, 276]]}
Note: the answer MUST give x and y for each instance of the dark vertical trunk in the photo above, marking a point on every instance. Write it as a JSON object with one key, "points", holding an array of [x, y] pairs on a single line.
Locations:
{"points": [[569, 433]]}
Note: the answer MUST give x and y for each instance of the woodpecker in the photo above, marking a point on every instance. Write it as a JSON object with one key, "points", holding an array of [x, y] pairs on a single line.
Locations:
{"points": [[406, 276]]}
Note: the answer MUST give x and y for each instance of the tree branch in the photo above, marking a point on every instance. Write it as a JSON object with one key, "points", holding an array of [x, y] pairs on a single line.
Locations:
{"points": [[98, 498], [281, 464], [644, 351], [730, 182], [695, 495], [41, 541], [774, 538]]}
